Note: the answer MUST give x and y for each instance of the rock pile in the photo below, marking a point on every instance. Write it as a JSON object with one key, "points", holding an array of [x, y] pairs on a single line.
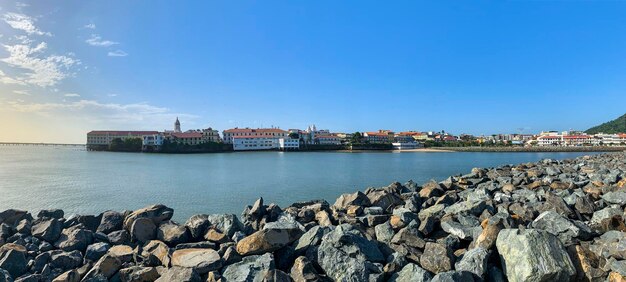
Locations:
{"points": [[545, 221]]}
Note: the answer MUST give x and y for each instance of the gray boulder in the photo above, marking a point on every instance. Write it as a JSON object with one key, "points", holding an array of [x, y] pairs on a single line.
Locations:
{"points": [[95, 251], [111, 221], [197, 225], [47, 230], [251, 268], [533, 255], [179, 274], [474, 261], [14, 262], [411, 273], [74, 238], [226, 223], [172, 233], [345, 255], [566, 230]]}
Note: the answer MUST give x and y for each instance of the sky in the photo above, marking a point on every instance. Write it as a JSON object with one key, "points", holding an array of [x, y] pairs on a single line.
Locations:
{"points": [[477, 67]]}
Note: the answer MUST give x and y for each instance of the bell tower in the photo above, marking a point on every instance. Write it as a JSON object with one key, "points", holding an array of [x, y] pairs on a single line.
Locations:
{"points": [[177, 126]]}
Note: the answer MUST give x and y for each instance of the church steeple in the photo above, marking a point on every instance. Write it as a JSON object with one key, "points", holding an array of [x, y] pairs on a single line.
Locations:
{"points": [[177, 126]]}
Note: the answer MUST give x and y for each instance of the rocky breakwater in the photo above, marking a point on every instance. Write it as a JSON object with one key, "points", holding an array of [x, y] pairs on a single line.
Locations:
{"points": [[544, 221]]}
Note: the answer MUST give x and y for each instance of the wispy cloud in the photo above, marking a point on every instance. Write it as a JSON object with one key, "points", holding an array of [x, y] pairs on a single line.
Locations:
{"points": [[72, 95], [96, 40], [5, 79], [39, 69], [134, 114], [24, 23], [112, 95], [21, 92], [117, 53], [90, 26]]}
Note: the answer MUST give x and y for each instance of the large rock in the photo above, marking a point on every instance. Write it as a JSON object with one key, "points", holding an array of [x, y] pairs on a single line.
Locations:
{"points": [[71, 275], [304, 271], [156, 252], [312, 237], [251, 268], [566, 230], [474, 261], [119, 237], [74, 238], [533, 255], [138, 274], [111, 221], [95, 251], [384, 199], [105, 267], [123, 252], [274, 236], [437, 258], [179, 274], [355, 199], [411, 273], [47, 230], [201, 260], [225, 223], [143, 230], [197, 225], [618, 198], [14, 262], [65, 260], [345, 255], [13, 216], [172, 233], [156, 213]]}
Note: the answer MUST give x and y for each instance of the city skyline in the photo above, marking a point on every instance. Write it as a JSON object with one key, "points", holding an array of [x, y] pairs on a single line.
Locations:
{"points": [[477, 68]]}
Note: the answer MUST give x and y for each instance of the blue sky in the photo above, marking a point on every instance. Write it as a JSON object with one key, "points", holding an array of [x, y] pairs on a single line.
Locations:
{"points": [[477, 67]]}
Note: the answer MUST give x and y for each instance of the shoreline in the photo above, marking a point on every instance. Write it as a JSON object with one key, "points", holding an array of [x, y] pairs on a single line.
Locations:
{"points": [[490, 222]]}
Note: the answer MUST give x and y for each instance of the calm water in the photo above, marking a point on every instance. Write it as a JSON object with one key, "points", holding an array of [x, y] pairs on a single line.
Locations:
{"points": [[78, 181]]}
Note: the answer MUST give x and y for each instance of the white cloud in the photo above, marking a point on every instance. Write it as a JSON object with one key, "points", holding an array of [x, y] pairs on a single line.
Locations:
{"points": [[24, 23], [5, 79], [90, 26], [40, 70], [21, 5], [112, 95], [21, 92], [72, 95], [117, 53], [96, 40]]}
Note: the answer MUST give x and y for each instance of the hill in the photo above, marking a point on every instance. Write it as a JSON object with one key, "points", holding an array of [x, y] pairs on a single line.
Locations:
{"points": [[617, 125]]}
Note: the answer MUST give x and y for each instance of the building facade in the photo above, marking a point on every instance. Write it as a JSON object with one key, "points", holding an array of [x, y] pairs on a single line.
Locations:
{"points": [[379, 137], [257, 143], [98, 139], [229, 134]]}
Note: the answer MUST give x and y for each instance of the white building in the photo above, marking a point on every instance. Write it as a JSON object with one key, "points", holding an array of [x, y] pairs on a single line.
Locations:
{"points": [[406, 145], [229, 134], [255, 143]]}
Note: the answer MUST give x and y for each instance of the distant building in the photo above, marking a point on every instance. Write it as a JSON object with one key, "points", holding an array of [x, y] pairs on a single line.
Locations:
{"points": [[229, 134], [406, 145], [152, 142], [379, 137], [100, 139], [189, 138], [255, 143], [327, 139]]}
